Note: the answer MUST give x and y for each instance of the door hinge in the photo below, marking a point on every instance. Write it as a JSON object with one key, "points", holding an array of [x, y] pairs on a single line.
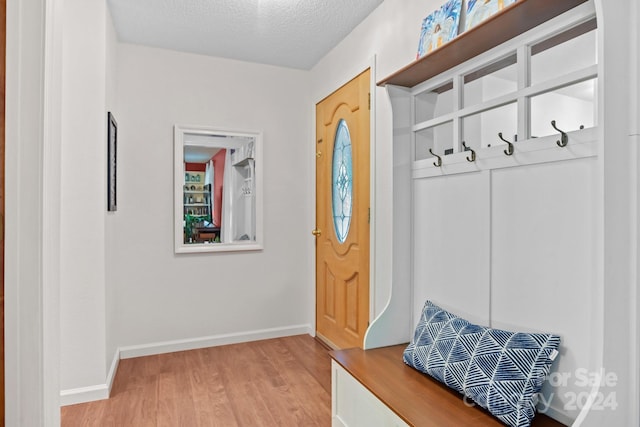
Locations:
{"points": [[369, 217], [369, 102]]}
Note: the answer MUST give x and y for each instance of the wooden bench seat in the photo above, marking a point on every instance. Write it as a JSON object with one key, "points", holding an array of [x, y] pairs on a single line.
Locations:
{"points": [[416, 398]]}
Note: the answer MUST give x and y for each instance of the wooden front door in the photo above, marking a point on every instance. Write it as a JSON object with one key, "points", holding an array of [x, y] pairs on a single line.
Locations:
{"points": [[342, 214]]}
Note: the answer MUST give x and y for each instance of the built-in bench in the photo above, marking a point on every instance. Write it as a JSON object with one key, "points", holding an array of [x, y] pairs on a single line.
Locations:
{"points": [[362, 379]]}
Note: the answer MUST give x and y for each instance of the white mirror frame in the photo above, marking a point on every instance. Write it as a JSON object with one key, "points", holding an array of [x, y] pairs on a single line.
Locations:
{"points": [[178, 180]]}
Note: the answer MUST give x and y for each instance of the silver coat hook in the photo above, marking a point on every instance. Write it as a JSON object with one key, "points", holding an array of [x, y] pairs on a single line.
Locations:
{"points": [[509, 150], [473, 153], [439, 162], [564, 138]]}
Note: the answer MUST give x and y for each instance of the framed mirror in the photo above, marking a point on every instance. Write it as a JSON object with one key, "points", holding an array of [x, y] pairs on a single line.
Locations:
{"points": [[217, 190]]}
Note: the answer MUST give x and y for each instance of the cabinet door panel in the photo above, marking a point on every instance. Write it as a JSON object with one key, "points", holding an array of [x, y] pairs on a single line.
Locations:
{"points": [[352, 405], [544, 257], [451, 244]]}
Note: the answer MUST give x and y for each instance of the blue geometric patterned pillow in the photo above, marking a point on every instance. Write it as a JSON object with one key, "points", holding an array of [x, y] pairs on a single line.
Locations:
{"points": [[499, 370]]}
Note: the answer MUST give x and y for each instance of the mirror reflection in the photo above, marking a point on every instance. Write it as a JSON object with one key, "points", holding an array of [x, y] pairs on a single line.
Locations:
{"points": [[216, 184]]}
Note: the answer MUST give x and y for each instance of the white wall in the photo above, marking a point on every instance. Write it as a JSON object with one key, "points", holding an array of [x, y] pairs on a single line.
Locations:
{"points": [[161, 296], [83, 358], [111, 100]]}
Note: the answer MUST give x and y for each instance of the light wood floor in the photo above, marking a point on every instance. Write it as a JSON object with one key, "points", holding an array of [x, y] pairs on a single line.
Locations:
{"points": [[278, 382]]}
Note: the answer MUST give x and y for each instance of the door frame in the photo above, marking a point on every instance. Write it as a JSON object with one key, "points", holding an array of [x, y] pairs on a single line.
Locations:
{"points": [[33, 131], [3, 70], [322, 93]]}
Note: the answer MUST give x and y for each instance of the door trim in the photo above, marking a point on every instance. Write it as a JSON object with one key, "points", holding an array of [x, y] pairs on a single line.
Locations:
{"points": [[32, 131], [3, 70]]}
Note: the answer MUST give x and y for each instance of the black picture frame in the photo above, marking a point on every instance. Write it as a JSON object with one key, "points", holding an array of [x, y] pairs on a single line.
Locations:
{"points": [[112, 148]]}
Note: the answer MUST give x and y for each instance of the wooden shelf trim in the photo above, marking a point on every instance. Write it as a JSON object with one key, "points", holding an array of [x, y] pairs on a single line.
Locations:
{"points": [[501, 27]]}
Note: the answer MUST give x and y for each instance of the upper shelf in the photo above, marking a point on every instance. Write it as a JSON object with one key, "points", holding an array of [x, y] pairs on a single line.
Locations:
{"points": [[514, 20]]}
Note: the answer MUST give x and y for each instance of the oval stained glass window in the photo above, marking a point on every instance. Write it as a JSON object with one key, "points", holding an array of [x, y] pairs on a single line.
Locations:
{"points": [[342, 181]]}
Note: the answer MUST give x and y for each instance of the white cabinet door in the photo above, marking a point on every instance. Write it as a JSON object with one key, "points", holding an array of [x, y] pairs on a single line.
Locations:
{"points": [[451, 244], [543, 263], [352, 405]]}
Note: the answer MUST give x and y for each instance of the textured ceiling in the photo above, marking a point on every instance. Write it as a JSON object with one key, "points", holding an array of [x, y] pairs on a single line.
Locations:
{"points": [[288, 33]]}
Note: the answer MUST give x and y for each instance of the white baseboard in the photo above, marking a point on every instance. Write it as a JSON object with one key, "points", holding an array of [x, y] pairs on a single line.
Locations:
{"points": [[92, 393], [112, 371], [83, 394], [102, 391], [96, 392], [128, 352]]}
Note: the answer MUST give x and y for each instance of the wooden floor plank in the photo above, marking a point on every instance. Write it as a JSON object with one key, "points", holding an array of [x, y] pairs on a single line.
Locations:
{"points": [[284, 407], [244, 378], [310, 402], [301, 347], [210, 399], [284, 381]]}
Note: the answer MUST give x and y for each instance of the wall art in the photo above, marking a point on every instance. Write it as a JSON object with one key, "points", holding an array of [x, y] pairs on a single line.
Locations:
{"points": [[480, 10], [112, 144], [439, 27]]}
